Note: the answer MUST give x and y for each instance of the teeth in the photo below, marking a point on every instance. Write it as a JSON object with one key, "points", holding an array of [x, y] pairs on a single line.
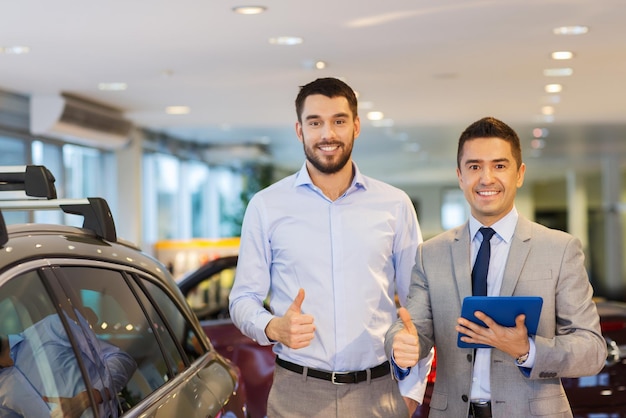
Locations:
{"points": [[487, 193], [328, 148]]}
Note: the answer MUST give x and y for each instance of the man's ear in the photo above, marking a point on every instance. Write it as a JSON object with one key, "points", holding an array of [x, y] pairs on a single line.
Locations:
{"points": [[299, 131]]}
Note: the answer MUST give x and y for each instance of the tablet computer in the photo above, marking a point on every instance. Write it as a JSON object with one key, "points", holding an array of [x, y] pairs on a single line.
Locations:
{"points": [[503, 310]]}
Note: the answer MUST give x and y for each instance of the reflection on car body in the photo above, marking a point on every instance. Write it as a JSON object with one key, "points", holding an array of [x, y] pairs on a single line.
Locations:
{"points": [[129, 302], [206, 290]]}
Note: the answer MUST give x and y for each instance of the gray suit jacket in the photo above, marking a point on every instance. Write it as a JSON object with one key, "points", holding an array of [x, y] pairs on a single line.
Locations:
{"points": [[541, 262]]}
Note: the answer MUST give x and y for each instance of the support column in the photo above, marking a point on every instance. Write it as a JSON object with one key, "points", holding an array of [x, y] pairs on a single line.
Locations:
{"points": [[128, 222], [613, 229], [577, 210]]}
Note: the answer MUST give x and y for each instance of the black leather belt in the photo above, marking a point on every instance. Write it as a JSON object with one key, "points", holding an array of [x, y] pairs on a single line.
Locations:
{"points": [[338, 378], [480, 410]]}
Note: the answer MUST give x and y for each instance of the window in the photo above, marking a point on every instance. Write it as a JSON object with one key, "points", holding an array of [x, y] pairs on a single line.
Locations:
{"points": [[209, 299], [44, 365], [136, 315], [454, 208], [118, 319], [13, 153], [183, 333]]}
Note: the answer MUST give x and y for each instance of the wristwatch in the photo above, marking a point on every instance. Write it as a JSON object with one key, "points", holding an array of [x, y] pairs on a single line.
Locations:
{"points": [[522, 359]]}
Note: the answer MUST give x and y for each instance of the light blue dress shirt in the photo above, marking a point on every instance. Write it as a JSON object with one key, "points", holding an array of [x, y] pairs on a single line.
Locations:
{"points": [[349, 255], [500, 246], [18, 398]]}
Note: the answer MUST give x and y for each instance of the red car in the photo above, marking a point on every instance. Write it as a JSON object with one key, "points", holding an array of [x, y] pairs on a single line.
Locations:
{"points": [[206, 290]]}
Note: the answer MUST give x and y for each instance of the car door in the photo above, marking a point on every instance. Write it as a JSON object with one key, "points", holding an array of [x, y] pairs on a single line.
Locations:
{"points": [[120, 339], [177, 373], [55, 363]]}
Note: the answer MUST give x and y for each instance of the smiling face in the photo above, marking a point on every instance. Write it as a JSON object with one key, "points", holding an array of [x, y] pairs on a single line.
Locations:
{"points": [[489, 177], [327, 132]]}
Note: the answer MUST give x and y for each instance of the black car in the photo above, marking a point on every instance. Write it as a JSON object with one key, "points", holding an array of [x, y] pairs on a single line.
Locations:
{"points": [[95, 327]]}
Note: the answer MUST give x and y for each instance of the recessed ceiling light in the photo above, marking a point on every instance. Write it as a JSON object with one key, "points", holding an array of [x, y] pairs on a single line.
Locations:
{"points": [[112, 86], [286, 40], [249, 10], [537, 144], [374, 115], [570, 30], [553, 88], [314, 64], [562, 55], [177, 110], [558, 72], [15, 50], [540, 132], [547, 110]]}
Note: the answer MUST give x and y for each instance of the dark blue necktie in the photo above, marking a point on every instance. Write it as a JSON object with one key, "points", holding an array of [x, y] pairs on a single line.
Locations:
{"points": [[481, 265]]}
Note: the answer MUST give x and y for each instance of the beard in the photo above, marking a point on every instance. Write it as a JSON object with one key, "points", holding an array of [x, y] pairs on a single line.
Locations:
{"points": [[330, 164]]}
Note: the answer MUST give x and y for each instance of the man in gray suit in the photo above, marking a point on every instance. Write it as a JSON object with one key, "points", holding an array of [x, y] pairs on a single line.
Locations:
{"points": [[520, 375]]}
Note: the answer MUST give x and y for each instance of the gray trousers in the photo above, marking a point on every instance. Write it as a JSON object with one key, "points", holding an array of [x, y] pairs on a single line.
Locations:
{"points": [[293, 395]]}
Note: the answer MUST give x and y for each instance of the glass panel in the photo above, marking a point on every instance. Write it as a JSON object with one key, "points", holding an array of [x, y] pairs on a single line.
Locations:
{"points": [[40, 372], [209, 299], [454, 208], [181, 328], [117, 318], [13, 153], [161, 174]]}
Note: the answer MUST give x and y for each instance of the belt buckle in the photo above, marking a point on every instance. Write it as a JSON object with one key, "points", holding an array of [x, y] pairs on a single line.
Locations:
{"points": [[334, 375]]}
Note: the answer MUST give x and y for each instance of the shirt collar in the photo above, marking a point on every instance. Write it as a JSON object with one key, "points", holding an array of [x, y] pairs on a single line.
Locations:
{"points": [[304, 179], [504, 228], [14, 339]]}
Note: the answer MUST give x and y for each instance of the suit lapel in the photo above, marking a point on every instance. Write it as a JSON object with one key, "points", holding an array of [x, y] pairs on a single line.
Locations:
{"points": [[518, 253], [460, 249]]}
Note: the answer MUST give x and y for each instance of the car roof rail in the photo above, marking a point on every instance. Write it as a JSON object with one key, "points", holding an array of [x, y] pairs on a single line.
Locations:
{"points": [[38, 183], [34, 180]]}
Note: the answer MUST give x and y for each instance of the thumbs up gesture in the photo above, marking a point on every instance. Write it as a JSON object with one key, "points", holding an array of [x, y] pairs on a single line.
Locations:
{"points": [[294, 329], [406, 348]]}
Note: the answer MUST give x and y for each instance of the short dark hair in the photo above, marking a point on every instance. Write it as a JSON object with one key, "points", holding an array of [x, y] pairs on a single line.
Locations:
{"points": [[329, 87], [490, 127]]}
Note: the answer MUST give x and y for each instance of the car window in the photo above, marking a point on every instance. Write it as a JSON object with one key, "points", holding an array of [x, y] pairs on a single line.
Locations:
{"points": [[183, 333], [119, 319], [136, 315], [39, 347], [209, 299]]}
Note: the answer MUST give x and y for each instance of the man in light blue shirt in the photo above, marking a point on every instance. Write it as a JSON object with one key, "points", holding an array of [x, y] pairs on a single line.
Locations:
{"points": [[332, 248]]}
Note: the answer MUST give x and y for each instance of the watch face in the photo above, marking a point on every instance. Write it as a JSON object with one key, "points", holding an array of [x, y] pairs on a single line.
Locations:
{"points": [[522, 359]]}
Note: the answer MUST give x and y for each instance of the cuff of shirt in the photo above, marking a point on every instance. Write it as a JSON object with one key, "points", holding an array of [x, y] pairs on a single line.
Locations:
{"points": [[530, 361], [399, 373]]}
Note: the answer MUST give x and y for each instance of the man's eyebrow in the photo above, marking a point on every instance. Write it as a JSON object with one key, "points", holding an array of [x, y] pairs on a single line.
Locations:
{"points": [[335, 116], [497, 160]]}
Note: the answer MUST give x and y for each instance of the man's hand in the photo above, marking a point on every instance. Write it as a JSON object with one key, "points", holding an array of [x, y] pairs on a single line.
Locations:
{"points": [[294, 329], [411, 404], [406, 350], [68, 407], [511, 340]]}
